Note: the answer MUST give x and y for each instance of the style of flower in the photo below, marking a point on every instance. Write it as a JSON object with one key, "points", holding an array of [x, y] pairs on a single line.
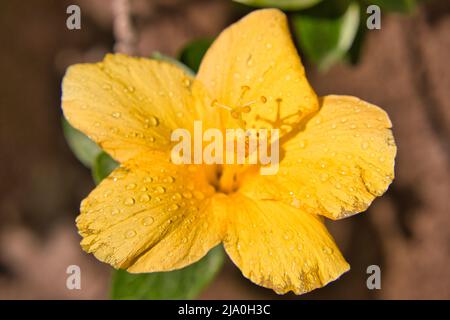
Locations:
{"points": [[150, 215]]}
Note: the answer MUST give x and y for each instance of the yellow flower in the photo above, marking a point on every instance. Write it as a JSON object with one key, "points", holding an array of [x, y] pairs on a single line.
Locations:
{"points": [[337, 155]]}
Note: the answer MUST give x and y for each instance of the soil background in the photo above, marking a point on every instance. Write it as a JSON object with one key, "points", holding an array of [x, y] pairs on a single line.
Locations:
{"points": [[404, 68]]}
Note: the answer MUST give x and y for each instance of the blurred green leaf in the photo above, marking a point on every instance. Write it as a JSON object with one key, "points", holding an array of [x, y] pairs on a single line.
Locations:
{"points": [[162, 57], [326, 40], [281, 4], [103, 166], [192, 54], [404, 6], [82, 147], [186, 283]]}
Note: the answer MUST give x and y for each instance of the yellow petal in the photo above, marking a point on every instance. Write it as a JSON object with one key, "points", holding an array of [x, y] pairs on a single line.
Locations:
{"points": [[254, 63], [280, 247], [150, 215], [131, 105], [337, 164]]}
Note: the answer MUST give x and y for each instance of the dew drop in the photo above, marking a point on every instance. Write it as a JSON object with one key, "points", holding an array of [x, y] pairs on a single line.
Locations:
{"points": [[148, 221], [116, 115], [365, 145], [148, 179], [327, 250], [152, 121], [187, 194], [177, 196], [129, 201], [131, 186], [302, 144], [170, 179], [130, 234], [144, 198], [324, 177], [173, 207], [160, 189]]}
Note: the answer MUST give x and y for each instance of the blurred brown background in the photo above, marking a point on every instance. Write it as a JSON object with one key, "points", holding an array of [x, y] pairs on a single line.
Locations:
{"points": [[404, 68]]}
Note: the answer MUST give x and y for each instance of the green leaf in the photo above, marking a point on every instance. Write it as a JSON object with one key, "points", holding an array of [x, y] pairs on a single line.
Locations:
{"points": [[192, 54], [186, 283], [281, 4], [403, 6], [326, 40], [82, 147], [162, 57], [103, 166]]}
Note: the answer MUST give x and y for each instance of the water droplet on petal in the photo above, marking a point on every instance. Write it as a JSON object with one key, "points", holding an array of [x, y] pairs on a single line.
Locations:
{"points": [[147, 221], [170, 179], [187, 194], [129, 201], [365, 145], [152, 121], [176, 196], [131, 186], [327, 250], [144, 198], [344, 170], [302, 144], [148, 179], [160, 189], [130, 234]]}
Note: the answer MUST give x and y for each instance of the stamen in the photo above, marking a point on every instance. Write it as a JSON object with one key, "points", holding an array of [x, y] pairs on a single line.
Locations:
{"points": [[244, 90], [215, 103]]}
